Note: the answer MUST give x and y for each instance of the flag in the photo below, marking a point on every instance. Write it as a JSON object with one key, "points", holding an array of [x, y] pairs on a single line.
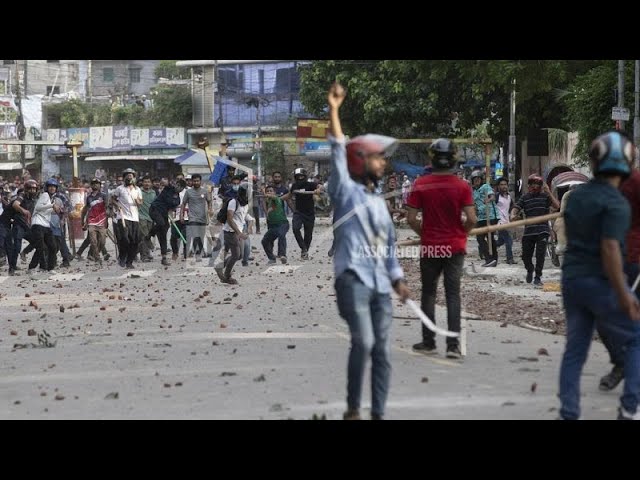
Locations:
{"points": [[219, 171]]}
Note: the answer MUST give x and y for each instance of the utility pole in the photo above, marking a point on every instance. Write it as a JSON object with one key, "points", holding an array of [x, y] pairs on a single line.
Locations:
{"points": [[621, 124], [90, 80], [512, 138], [220, 122], [258, 139], [636, 115], [21, 130], [26, 91]]}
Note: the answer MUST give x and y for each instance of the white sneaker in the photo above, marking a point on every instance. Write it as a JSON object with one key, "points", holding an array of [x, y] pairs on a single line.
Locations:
{"points": [[624, 415]]}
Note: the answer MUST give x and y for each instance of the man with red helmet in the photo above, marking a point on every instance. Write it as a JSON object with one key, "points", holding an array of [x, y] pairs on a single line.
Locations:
{"points": [[365, 263], [536, 202]]}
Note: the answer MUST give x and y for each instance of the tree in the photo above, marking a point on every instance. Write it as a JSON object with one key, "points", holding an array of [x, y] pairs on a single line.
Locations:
{"points": [[168, 69], [437, 97], [172, 106], [589, 101]]}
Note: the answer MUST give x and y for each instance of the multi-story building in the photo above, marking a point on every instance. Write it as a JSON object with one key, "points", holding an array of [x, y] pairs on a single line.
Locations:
{"points": [[122, 78], [240, 99], [41, 77]]}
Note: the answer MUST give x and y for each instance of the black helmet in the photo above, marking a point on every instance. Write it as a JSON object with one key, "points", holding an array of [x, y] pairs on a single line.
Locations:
{"points": [[299, 171], [443, 153], [612, 153]]}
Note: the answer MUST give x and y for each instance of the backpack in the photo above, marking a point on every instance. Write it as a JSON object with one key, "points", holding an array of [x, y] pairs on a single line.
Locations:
{"points": [[221, 216]]}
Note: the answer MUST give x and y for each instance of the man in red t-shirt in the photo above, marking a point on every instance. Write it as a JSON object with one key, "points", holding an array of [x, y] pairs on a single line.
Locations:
{"points": [[442, 197], [94, 219]]}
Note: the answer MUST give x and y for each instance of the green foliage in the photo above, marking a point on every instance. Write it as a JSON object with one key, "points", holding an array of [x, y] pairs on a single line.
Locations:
{"points": [[589, 102], [422, 98], [272, 156], [172, 108], [168, 69]]}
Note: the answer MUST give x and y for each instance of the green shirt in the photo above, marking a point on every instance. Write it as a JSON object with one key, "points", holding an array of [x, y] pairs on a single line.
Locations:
{"points": [[275, 209], [147, 199]]}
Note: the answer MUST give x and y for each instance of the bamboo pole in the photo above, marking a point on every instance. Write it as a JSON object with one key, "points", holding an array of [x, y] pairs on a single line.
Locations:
{"points": [[495, 228]]}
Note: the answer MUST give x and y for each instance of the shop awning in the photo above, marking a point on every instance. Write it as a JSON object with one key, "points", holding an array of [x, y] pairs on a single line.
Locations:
{"points": [[99, 158], [12, 165]]}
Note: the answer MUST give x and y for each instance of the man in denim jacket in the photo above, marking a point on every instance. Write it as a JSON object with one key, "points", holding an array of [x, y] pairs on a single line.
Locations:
{"points": [[366, 267]]}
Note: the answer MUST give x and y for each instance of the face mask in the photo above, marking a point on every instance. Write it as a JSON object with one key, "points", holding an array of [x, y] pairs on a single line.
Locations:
{"points": [[236, 188]]}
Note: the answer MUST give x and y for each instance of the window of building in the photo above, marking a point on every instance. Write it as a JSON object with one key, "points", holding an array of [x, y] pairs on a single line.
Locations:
{"points": [[227, 80], [56, 90], [3, 87], [8, 62], [260, 81], [134, 75], [53, 61], [287, 80], [107, 74]]}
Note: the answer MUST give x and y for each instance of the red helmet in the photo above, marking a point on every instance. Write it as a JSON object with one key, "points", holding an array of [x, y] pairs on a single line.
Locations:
{"points": [[360, 147]]}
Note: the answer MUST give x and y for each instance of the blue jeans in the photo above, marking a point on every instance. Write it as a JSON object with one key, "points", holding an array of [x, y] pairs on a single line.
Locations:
{"points": [[246, 246], [369, 316], [274, 232], [589, 302], [504, 238]]}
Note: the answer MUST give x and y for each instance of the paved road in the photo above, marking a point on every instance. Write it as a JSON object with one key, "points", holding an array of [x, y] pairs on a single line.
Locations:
{"points": [[175, 343]]}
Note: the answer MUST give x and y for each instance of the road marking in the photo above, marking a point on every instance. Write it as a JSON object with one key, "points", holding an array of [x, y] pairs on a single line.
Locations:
{"points": [[151, 336], [65, 277], [139, 273], [281, 269]]}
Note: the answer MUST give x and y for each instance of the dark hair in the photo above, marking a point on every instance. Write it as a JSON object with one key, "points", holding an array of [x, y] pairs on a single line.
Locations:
{"points": [[502, 179], [237, 177], [146, 177], [155, 179], [279, 173], [196, 176], [181, 183]]}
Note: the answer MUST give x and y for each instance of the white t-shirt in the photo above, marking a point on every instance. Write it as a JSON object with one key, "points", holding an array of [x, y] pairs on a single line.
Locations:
{"points": [[239, 215], [42, 211], [126, 199], [503, 208]]}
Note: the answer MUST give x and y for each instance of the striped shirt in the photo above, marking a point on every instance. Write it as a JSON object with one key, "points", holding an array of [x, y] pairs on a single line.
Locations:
{"points": [[535, 205]]}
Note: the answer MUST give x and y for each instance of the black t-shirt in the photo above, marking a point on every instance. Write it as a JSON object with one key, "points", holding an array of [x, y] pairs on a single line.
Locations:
{"points": [[304, 202], [18, 219]]}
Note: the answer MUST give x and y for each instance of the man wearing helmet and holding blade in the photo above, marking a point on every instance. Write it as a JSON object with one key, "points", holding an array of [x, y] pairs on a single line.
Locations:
{"points": [[442, 197], [536, 202], [363, 281], [594, 290]]}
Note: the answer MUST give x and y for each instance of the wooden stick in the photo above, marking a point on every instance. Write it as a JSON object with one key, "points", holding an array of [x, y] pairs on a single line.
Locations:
{"points": [[495, 228]]}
